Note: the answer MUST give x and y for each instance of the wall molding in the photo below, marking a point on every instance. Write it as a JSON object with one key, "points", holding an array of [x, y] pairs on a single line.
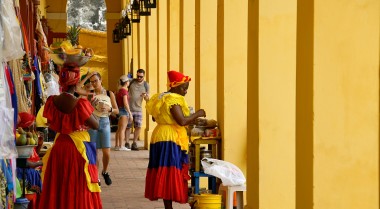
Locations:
{"points": [[56, 16]]}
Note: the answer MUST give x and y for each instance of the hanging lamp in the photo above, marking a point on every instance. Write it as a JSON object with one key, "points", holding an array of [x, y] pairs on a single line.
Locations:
{"points": [[150, 3], [135, 13], [144, 10], [116, 34], [126, 26]]}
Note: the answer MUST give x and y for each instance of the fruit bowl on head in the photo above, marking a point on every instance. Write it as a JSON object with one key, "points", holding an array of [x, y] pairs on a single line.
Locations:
{"points": [[25, 151], [68, 59]]}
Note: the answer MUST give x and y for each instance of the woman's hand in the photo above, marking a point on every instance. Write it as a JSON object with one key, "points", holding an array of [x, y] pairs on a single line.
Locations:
{"points": [[94, 101], [130, 118]]}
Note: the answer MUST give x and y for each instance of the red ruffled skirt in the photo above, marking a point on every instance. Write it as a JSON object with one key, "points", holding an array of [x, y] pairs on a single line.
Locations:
{"points": [[64, 185], [167, 175]]}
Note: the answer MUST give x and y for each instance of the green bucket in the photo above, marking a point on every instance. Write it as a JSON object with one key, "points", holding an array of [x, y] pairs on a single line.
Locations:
{"points": [[208, 201]]}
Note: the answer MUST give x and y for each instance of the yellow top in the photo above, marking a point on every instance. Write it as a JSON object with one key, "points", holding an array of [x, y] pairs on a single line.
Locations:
{"points": [[159, 106]]}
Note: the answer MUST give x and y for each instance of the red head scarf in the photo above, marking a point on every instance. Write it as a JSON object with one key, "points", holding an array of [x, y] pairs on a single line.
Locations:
{"points": [[26, 120], [177, 78], [68, 76]]}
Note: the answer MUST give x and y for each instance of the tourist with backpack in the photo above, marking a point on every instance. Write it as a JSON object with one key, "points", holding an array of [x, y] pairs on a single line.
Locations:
{"points": [[138, 91]]}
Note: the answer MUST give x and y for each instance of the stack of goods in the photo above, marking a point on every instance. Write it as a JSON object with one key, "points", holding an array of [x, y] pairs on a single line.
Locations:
{"points": [[205, 128]]}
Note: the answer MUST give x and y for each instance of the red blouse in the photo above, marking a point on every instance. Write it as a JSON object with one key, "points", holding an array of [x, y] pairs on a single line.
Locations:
{"points": [[66, 123]]}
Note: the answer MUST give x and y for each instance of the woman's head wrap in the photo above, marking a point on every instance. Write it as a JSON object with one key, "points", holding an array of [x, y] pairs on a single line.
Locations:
{"points": [[68, 76], [177, 78], [25, 120]]}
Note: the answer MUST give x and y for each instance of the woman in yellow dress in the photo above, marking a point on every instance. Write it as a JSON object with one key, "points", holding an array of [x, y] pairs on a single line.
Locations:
{"points": [[167, 172]]}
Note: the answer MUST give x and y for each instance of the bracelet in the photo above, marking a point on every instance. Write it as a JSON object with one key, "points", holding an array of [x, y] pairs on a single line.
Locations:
{"points": [[111, 110]]}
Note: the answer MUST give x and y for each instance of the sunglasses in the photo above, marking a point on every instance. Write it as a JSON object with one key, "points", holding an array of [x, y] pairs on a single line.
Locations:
{"points": [[140, 76]]}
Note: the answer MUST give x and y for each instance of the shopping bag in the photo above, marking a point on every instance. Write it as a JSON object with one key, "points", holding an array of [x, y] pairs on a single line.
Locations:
{"points": [[229, 173]]}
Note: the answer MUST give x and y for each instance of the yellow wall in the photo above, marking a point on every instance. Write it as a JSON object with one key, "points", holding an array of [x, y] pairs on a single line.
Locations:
{"points": [[96, 40], [346, 104]]}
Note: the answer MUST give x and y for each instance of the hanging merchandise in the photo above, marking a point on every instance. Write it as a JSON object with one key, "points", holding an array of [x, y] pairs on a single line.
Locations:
{"points": [[1, 38], [52, 86], [7, 144], [42, 42], [7, 137], [7, 185], [12, 39], [17, 73]]}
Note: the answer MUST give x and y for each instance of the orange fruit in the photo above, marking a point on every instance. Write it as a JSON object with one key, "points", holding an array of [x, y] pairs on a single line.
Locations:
{"points": [[74, 51]]}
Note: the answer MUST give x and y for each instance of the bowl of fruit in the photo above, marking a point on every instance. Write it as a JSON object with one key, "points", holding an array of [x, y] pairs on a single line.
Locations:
{"points": [[25, 143], [70, 55], [69, 52]]}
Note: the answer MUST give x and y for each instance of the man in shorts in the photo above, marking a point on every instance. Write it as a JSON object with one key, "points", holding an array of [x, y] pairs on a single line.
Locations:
{"points": [[138, 91]]}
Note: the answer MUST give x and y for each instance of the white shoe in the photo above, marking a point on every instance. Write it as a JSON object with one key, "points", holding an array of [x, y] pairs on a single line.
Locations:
{"points": [[117, 148], [124, 149]]}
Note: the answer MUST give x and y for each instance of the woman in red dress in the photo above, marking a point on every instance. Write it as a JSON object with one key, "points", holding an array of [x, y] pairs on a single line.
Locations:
{"points": [[69, 173]]}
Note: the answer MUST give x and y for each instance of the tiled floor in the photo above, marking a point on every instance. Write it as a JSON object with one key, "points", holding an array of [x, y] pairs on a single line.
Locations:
{"points": [[127, 170]]}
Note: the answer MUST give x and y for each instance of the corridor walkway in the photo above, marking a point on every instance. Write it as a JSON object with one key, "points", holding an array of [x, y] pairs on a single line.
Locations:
{"points": [[127, 170]]}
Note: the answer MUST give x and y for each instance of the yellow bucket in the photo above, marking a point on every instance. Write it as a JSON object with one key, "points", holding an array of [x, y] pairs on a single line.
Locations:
{"points": [[208, 201]]}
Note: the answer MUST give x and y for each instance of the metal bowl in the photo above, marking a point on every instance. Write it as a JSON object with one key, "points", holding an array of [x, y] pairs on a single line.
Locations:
{"points": [[63, 59], [25, 151]]}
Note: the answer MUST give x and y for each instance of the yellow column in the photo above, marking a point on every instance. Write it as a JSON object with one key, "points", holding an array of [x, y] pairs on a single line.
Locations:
{"points": [[135, 48], [277, 74], [126, 54], [207, 72], [162, 45], [232, 102], [253, 106], [346, 104], [188, 43], [114, 50], [57, 16], [304, 103], [151, 67], [142, 43], [173, 36]]}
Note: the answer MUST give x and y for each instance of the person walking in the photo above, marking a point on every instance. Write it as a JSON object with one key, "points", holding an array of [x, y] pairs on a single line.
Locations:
{"points": [[167, 174], [105, 104], [138, 91], [70, 176], [125, 115]]}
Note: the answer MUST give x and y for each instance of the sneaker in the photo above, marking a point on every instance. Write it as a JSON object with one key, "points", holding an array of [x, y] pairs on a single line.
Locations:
{"points": [[117, 149], [134, 146], [127, 145], [124, 149], [107, 178]]}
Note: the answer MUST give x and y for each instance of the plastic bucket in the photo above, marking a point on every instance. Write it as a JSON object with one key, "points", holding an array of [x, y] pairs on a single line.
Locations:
{"points": [[21, 203], [208, 201]]}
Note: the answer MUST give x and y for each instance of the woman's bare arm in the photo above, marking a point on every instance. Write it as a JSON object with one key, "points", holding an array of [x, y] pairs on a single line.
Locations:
{"points": [[178, 116], [115, 109]]}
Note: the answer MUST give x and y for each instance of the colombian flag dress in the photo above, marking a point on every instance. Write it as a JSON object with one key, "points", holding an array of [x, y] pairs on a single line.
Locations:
{"points": [[167, 172], [69, 172]]}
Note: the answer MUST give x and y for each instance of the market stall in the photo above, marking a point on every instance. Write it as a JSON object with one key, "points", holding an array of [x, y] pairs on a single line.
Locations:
{"points": [[22, 90]]}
